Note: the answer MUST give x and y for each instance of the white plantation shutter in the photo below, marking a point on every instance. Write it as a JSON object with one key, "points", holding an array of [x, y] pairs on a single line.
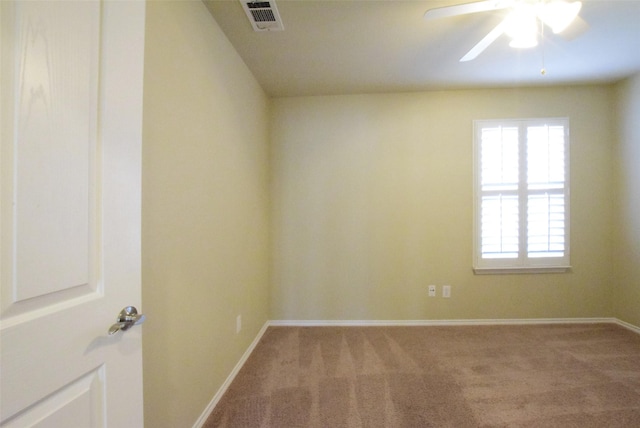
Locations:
{"points": [[521, 191], [499, 215], [500, 227], [545, 226]]}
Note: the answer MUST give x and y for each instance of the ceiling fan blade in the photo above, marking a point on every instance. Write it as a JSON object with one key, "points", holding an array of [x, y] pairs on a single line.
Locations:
{"points": [[464, 9], [484, 43]]}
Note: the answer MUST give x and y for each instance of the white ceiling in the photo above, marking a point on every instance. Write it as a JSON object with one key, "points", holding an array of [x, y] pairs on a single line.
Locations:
{"points": [[366, 46]]}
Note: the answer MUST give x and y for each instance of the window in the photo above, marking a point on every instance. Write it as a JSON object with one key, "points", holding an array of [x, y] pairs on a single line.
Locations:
{"points": [[521, 195]]}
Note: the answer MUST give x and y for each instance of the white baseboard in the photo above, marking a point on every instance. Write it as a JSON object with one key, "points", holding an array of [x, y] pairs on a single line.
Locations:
{"points": [[214, 401], [626, 325], [378, 323], [384, 323]]}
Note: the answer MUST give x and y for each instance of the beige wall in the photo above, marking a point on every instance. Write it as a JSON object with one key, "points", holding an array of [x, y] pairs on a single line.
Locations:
{"points": [[205, 211], [627, 221], [372, 202]]}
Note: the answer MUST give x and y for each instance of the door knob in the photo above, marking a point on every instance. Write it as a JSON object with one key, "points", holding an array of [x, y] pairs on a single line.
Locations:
{"points": [[127, 318]]}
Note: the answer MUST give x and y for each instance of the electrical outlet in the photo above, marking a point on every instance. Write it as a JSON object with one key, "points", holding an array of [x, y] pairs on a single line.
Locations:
{"points": [[446, 291], [432, 291], [238, 323]]}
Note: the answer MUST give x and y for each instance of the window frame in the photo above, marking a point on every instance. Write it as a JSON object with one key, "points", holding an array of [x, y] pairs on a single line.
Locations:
{"points": [[523, 263]]}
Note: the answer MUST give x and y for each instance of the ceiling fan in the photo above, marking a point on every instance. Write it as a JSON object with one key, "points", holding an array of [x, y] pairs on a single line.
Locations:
{"points": [[523, 20]]}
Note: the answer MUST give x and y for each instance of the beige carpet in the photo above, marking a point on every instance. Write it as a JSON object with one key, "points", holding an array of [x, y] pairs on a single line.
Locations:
{"points": [[578, 375]]}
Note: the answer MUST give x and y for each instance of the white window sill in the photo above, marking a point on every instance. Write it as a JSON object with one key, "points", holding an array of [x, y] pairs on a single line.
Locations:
{"points": [[520, 270]]}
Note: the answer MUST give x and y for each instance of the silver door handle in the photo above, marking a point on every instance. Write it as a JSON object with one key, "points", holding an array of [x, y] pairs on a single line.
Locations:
{"points": [[127, 318]]}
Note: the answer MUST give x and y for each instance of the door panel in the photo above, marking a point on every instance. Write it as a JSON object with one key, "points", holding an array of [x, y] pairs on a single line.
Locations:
{"points": [[71, 120], [81, 401], [55, 141]]}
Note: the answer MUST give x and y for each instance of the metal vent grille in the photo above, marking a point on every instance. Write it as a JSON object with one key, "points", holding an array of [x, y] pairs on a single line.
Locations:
{"points": [[263, 15]]}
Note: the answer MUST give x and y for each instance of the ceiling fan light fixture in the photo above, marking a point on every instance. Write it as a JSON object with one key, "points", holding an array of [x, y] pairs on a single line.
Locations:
{"points": [[522, 27], [524, 42], [523, 21], [559, 14]]}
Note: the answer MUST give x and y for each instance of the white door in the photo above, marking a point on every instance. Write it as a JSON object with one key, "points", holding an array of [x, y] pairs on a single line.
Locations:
{"points": [[71, 121]]}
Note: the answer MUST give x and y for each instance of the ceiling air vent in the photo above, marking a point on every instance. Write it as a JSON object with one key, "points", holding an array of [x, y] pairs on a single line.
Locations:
{"points": [[263, 15]]}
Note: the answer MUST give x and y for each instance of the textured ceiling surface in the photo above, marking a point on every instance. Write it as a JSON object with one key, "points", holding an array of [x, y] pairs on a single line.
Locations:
{"points": [[366, 46]]}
